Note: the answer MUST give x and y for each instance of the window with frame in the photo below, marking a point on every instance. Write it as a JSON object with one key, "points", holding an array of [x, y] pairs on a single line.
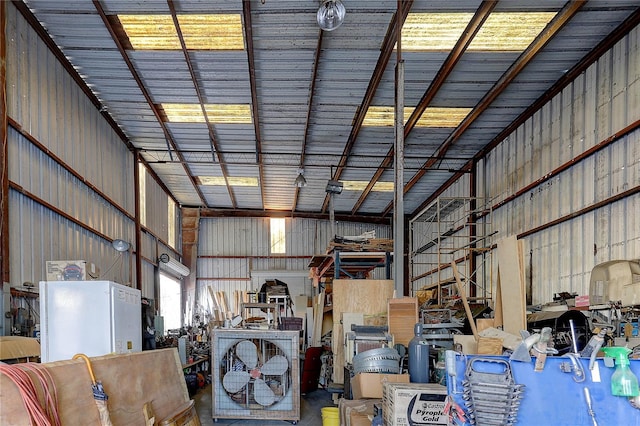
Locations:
{"points": [[278, 237], [171, 222], [142, 185]]}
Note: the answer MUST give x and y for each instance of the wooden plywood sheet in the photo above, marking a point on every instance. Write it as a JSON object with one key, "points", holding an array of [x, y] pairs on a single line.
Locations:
{"points": [[402, 316], [484, 323], [509, 341], [489, 346], [468, 343], [130, 381], [17, 347], [512, 286], [368, 297]]}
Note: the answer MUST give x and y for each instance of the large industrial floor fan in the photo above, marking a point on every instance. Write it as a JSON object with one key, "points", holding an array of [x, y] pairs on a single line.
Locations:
{"points": [[255, 374]]}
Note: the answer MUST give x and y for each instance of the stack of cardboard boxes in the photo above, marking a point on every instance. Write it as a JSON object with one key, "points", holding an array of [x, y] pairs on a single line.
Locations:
{"points": [[402, 403]]}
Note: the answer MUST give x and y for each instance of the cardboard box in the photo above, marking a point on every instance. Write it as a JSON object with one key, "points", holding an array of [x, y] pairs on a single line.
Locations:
{"points": [[71, 270], [360, 419], [356, 412], [369, 385], [423, 403]]}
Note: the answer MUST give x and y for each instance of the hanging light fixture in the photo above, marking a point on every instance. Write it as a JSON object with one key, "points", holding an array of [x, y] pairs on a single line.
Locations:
{"points": [[300, 180], [334, 187], [331, 14], [120, 245]]}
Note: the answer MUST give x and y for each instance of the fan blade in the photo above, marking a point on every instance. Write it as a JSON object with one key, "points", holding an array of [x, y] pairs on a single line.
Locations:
{"points": [[276, 366], [234, 381], [262, 393], [248, 353]]}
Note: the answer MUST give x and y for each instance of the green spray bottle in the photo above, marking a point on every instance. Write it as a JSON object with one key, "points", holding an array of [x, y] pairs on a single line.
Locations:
{"points": [[623, 381]]}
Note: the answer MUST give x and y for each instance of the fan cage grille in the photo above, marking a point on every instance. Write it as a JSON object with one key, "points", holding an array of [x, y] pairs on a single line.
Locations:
{"points": [[241, 403], [245, 397]]}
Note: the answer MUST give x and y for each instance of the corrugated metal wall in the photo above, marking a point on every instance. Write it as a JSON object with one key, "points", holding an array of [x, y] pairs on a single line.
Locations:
{"points": [[230, 248], [44, 102], [46, 107], [600, 102], [156, 203], [571, 220]]}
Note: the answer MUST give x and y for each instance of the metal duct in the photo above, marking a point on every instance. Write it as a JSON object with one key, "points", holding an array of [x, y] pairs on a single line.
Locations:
{"points": [[169, 264]]}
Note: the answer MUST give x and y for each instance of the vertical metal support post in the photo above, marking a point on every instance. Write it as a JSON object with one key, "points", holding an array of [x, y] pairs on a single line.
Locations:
{"points": [[4, 154], [472, 266], [138, 224], [398, 199]]}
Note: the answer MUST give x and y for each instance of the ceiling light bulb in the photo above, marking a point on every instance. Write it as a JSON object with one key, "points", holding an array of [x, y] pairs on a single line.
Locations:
{"points": [[331, 14], [300, 180]]}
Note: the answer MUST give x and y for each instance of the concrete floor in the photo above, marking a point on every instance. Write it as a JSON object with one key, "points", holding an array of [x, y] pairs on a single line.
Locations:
{"points": [[310, 409]]}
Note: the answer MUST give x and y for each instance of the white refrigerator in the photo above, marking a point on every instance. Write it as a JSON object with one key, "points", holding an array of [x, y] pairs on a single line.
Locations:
{"points": [[90, 317]]}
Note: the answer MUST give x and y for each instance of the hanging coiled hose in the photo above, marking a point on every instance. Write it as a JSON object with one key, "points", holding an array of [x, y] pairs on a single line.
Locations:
{"points": [[43, 409]]}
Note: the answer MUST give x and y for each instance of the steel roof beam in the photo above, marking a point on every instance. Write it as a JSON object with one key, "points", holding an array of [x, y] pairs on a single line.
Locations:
{"points": [[606, 44], [213, 141], [169, 138], [312, 89], [445, 70], [556, 24], [248, 36], [385, 54]]}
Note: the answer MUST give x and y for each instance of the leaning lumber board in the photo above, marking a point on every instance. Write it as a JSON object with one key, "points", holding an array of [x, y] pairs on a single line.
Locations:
{"points": [[511, 285], [216, 304], [497, 306], [318, 315], [130, 381], [463, 297]]}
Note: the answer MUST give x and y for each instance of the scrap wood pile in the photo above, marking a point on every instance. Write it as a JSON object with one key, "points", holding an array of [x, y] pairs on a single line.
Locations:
{"points": [[364, 242], [221, 308]]}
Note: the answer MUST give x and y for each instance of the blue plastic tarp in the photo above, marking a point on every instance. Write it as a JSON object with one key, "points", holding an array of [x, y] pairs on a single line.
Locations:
{"points": [[553, 397]]}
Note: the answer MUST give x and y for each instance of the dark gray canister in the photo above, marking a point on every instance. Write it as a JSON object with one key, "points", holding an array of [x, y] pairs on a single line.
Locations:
{"points": [[418, 357]]}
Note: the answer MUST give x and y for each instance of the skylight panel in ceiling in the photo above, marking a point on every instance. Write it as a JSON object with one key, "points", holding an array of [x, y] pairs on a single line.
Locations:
{"points": [[200, 32], [233, 181], [502, 31], [383, 116], [216, 113], [360, 185]]}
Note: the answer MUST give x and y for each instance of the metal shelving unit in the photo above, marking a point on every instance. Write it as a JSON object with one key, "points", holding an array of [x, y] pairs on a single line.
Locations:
{"points": [[350, 264], [452, 229]]}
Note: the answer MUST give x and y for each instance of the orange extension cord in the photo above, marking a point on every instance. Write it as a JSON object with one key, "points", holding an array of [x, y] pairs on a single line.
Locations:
{"points": [[43, 412]]}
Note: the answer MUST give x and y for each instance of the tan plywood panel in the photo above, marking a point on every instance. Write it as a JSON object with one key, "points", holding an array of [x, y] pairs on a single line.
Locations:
{"points": [[130, 381], [402, 317], [368, 297], [365, 296]]}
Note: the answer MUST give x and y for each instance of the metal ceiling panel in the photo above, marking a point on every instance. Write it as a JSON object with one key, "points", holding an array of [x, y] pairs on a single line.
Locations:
{"points": [[308, 92]]}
